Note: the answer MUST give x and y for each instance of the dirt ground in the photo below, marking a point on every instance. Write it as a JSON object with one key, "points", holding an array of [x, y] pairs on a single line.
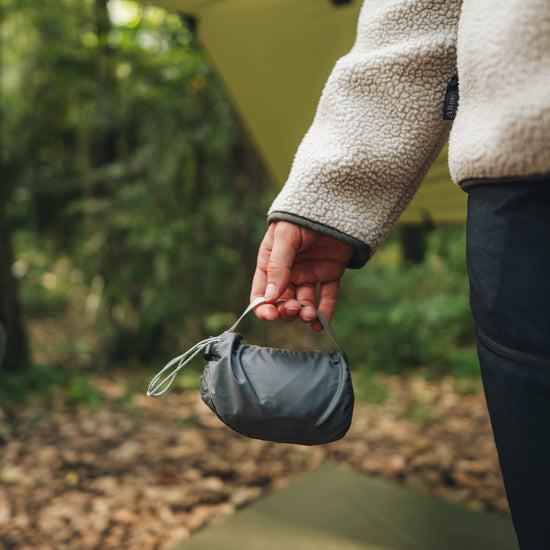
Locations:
{"points": [[145, 473]]}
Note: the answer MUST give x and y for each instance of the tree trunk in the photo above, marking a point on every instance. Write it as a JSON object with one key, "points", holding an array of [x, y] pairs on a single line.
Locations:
{"points": [[14, 353], [414, 239]]}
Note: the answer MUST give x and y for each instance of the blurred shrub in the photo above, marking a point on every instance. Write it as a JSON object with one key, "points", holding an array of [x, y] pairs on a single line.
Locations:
{"points": [[43, 381], [44, 283], [121, 151], [394, 316]]}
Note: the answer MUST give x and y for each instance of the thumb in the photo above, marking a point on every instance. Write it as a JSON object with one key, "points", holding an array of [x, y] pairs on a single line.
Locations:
{"points": [[271, 292]]}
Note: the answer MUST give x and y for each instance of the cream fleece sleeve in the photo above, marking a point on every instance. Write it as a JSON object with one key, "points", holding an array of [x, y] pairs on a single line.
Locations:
{"points": [[502, 128], [378, 126]]}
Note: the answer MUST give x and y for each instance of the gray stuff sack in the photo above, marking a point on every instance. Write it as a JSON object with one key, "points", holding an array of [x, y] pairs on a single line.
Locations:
{"points": [[301, 397]]}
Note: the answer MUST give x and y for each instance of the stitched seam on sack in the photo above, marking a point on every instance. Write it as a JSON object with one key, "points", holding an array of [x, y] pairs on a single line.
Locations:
{"points": [[533, 361]]}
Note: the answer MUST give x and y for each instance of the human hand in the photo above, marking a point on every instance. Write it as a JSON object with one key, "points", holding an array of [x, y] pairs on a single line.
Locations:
{"points": [[292, 262]]}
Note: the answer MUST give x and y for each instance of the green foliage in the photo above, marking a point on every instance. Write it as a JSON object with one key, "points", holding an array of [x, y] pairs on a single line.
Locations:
{"points": [[394, 317], [367, 387], [128, 173], [44, 283], [80, 390], [42, 381], [122, 151]]}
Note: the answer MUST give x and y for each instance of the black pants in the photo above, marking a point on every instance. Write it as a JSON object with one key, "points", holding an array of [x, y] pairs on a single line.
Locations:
{"points": [[508, 248]]}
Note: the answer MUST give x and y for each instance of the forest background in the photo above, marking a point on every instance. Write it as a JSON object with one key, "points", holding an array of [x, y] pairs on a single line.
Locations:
{"points": [[133, 201]]}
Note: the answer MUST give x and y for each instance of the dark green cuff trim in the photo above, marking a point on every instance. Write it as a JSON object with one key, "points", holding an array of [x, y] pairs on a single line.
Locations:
{"points": [[362, 251]]}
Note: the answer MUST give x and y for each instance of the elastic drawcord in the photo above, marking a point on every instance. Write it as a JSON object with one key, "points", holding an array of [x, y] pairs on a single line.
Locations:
{"points": [[324, 321], [162, 382], [160, 385]]}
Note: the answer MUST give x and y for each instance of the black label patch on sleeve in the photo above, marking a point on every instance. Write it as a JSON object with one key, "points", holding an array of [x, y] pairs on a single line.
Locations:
{"points": [[450, 105]]}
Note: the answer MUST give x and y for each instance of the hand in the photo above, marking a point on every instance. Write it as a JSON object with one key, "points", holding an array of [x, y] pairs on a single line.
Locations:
{"points": [[292, 261]]}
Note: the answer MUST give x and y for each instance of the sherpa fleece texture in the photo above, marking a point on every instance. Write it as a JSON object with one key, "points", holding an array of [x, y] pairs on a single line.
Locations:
{"points": [[379, 123], [502, 128]]}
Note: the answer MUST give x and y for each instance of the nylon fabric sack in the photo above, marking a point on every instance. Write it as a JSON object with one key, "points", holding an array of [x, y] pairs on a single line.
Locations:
{"points": [[285, 396], [278, 395]]}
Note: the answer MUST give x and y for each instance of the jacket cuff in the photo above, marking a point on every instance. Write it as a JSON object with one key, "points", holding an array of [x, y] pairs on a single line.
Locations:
{"points": [[362, 252]]}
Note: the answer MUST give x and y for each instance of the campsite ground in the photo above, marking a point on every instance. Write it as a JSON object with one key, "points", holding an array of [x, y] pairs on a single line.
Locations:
{"points": [[126, 471]]}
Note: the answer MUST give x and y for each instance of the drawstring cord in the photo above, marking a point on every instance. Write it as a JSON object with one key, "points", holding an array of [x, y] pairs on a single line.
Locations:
{"points": [[162, 382]]}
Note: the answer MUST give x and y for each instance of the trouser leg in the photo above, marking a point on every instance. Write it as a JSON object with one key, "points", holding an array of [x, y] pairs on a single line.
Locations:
{"points": [[509, 268]]}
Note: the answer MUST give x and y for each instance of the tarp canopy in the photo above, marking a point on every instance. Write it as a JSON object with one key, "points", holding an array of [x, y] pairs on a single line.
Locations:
{"points": [[274, 57]]}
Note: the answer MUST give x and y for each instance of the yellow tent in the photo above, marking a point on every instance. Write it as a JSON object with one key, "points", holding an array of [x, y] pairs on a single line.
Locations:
{"points": [[274, 57]]}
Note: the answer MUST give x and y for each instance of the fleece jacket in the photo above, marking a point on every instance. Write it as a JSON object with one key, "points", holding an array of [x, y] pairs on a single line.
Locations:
{"points": [[380, 125]]}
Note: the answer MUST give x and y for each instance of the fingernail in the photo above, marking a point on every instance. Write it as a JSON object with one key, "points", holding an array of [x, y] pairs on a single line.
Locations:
{"points": [[270, 292]]}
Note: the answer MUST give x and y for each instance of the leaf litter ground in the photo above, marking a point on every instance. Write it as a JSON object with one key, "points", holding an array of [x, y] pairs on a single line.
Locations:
{"points": [[145, 473]]}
